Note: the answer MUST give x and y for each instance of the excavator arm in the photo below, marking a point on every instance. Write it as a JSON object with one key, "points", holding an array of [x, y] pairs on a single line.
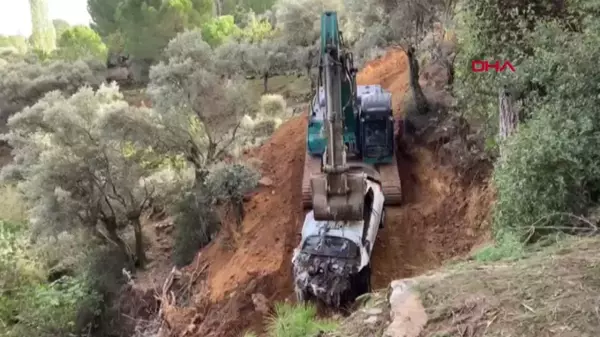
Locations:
{"points": [[337, 193]]}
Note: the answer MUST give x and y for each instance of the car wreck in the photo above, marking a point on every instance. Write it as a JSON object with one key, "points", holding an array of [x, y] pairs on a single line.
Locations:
{"points": [[331, 264]]}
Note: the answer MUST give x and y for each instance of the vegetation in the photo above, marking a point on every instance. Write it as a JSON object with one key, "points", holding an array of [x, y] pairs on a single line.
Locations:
{"points": [[530, 297], [89, 165], [297, 321]]}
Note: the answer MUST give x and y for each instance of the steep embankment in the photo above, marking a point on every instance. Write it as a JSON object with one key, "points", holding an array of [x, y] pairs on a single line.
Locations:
{"points": [[439, 220]]}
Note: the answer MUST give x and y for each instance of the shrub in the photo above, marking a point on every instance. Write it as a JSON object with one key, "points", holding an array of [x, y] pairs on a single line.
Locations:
{"points": [[549, 177], [297, 321], [196, 224], [272, 106]]}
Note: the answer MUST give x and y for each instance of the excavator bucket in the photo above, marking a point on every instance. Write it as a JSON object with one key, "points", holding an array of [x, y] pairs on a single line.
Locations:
{"points": [[347, 207], [388, 175]]}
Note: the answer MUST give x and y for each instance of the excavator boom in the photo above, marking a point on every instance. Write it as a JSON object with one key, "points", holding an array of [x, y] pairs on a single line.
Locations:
{"points": [[337, 194]]}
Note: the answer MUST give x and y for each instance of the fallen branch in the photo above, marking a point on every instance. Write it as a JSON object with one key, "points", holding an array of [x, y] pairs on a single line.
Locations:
{"points": [[591, 227]]}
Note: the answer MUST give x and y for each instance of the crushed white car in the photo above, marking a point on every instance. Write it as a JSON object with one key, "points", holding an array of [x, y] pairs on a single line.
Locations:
{"points": [[332, 261]]}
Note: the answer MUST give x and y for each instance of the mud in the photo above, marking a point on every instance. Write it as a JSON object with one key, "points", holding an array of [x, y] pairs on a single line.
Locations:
{"points": [[442, 218]]}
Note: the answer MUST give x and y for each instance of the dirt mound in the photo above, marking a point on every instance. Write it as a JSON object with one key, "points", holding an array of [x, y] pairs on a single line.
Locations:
{"points": [[441, 219]]}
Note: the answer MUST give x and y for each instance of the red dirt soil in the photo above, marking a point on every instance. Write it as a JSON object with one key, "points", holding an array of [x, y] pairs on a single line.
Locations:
{"points": [[441, 219]]}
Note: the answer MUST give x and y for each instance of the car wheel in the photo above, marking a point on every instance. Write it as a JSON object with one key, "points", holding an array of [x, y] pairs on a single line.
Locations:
{"points": [[363, 281], [382, 222], [301, 296], [367, 279]]}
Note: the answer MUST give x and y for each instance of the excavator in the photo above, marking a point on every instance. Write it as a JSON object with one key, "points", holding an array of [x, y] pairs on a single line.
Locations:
{"points": [[350, 174], [350, 126]]}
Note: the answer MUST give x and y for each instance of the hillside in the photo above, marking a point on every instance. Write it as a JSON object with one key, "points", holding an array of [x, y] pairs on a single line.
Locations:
{"points": [[440, 220]]}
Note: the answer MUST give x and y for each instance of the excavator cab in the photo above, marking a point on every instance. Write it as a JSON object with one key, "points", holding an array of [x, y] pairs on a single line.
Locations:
{"points": [[376, 129]]}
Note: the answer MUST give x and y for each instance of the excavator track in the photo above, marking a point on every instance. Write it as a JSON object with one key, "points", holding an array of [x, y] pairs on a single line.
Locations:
{"points": [[390, 181]]}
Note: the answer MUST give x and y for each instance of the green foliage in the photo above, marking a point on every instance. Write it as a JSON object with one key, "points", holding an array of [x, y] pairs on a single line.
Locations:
{"points": [[256, 30], [43, 36], [217, 30], [549, 173], [297, 321], [508, 246], [60, 26], [104, 16], [147, 27], [23, 83], [81, 42], [189, 94], [29, 306], [196, 224], [17, 43], [231, 182], [66, 183]]}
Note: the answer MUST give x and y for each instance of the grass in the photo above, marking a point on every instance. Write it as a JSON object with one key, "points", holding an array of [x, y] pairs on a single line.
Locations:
{"points": [[297, 321], [553, 292]]}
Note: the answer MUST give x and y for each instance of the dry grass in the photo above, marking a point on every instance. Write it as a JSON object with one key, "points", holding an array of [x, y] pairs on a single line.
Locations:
{"points": [[552, 293], [294, 89], [362, 323]]}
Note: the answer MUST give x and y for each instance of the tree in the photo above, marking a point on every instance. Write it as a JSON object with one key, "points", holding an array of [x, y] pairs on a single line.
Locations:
{"points": [[267, 58], [104, 16], [60, 26], [255, 29], [298, 21], [43, 36], [218, 29], [23, 83], [147, 26], [75, 168], [199, 111], [81, 42]]}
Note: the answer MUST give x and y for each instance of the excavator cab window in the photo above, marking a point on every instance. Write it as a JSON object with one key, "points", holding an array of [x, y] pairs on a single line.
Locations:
{"points": [[377, 138]]}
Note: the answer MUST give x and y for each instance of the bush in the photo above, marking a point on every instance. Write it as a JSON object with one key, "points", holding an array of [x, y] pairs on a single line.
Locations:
{"points": [[549, 177], [29, 306], [196, 224], [272, 106]]}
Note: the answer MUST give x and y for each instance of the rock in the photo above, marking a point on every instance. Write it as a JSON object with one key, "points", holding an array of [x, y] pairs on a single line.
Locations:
{"points": [[406, 310], [265, 182], [371, 320], [261, 304], [373, 311]]}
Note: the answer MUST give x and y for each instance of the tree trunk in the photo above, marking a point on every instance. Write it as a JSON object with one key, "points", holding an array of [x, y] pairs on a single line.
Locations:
{"points": [[139, 244], [265, 83], [111, 230], [421, 103], [238, 205], [509, 115]]}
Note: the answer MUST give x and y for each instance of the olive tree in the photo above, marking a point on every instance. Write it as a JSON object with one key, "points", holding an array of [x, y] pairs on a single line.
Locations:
{"points": [[197, 110], [23, 83], [267, 58], [77, 171]]}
